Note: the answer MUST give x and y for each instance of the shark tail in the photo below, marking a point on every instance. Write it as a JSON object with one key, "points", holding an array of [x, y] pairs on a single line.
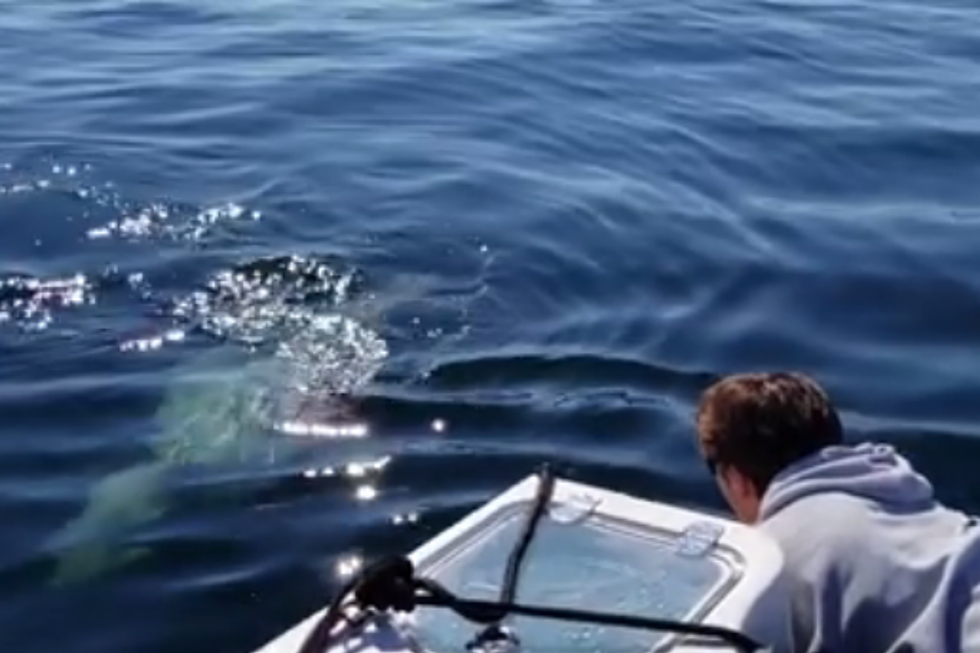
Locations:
{"points": [[94, 542]]}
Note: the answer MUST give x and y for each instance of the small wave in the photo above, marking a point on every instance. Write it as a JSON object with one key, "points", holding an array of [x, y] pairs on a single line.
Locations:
{"points": [[15, 181], [119, 217], [490, 370], [292, 306], [30, 303], [160, 221], [407, 412], [338, 354], [298, 356], [256, 301]]}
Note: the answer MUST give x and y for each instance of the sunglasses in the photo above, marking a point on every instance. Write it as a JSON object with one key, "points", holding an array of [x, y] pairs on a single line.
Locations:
{"points": [[712, 465]]}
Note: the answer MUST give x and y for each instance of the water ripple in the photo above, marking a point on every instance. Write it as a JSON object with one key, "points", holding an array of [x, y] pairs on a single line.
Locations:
{"points": [[259, 299], [345, 270]]}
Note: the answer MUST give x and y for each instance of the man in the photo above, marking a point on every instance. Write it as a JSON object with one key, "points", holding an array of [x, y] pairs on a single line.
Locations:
{"points": [[875, 563]]}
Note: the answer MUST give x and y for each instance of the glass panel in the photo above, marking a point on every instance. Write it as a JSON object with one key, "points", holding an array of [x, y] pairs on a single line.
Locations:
{"points": [[593, 565]]}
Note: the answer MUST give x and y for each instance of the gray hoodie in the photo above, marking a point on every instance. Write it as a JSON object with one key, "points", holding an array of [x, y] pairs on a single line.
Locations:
{"points": [[876, 564]]}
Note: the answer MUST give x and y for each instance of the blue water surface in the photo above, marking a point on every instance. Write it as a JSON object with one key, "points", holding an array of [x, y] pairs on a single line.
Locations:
{"points": [[460, 238]]}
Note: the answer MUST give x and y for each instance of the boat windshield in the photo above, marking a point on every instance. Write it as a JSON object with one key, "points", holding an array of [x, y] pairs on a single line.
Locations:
{"points": [[593, 563]]}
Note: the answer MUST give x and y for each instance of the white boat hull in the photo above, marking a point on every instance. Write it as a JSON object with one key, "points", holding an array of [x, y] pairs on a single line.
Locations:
{"points": [[596, 550]]}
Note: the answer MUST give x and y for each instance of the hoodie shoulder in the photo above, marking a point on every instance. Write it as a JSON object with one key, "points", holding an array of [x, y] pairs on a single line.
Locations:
{"points": [[820, 529], [872, 472], [822, 537]]}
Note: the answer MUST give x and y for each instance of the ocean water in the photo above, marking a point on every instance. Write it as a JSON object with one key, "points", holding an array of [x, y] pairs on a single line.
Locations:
{"points": [[289, 284]]}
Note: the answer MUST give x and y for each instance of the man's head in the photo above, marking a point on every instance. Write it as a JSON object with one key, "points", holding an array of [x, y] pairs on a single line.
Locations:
{"points": [[752, 426]]}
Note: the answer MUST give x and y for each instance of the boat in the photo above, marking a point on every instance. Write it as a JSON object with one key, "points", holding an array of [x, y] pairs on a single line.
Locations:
{"points": [[552, 564]]}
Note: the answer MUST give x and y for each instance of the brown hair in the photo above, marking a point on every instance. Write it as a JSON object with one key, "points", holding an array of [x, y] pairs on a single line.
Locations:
{"points": [[761, 423]]}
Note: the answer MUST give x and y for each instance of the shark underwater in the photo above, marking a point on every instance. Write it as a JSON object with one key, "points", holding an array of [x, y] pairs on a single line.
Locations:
{"points": [[229, 406]]}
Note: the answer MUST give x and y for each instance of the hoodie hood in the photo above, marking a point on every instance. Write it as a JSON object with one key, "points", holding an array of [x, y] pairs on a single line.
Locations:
{"points": [[869, 470]]}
